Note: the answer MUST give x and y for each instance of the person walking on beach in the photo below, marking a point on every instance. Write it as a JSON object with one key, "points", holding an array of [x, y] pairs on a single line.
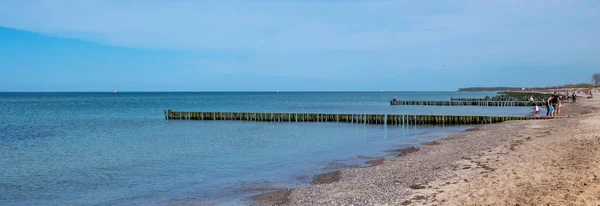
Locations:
{"points": [[574, 97]]}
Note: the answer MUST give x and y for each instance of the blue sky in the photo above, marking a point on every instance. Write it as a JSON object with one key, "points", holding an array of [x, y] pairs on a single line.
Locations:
{"points": [[292, 45]]}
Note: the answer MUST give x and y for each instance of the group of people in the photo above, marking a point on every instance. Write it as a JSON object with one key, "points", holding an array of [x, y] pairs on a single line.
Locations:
{"points": [[571, 97], [554, 104]]}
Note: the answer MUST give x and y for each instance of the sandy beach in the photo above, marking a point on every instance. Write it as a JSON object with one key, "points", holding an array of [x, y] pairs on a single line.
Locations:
{"points": [[537, 162]]}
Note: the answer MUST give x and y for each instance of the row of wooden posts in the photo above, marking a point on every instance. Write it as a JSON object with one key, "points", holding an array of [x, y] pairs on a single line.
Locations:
{"points": [[507, 96], [521, 95], [387, 119], [470, 103], [495, 98]]}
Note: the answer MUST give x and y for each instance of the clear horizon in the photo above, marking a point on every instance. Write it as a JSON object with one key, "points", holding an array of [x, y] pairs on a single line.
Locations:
{"points": [[97, 46], [210, 91], [242, 91]]}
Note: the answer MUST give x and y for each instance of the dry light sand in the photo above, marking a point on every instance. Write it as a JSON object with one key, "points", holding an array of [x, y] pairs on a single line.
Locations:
{"points": [[537, 162]]}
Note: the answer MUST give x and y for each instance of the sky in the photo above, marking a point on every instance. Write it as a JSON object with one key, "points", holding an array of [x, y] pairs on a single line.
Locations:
{"points": [[295, 45]]}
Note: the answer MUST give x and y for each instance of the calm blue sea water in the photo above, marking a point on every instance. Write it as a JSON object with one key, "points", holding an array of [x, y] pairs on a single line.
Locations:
{"points": [[117, 149]]}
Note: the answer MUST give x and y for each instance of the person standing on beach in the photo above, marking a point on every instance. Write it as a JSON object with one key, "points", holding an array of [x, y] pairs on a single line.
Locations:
{"points": [[559, 105], [549, 106], [554, 105], [574, 96]]}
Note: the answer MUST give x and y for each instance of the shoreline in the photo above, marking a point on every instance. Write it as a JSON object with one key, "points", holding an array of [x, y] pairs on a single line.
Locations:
{"points": [[433, 172], [280, 196]]}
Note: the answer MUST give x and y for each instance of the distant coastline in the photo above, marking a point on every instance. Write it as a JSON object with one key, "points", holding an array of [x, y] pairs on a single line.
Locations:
{"points": [[512, 89], [489, 89]]}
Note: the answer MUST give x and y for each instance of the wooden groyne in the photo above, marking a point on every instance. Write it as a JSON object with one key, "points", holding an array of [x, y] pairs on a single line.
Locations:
{"points": [[508, 96], [470, 103], [453, 99], [493, 99], [384, 119], [521, 96]]}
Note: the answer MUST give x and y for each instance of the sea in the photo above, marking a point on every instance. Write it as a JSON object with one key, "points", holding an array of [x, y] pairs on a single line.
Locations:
{"points": [[118, 149]]}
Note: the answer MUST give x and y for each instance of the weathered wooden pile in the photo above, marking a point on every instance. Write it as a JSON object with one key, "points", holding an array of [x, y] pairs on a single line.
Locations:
{"points": [[505, 99], [470, 103], [520, 96], [386, 119]]}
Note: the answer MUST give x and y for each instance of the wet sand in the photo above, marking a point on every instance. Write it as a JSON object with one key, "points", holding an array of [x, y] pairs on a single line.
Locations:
{"points": [[535, 162]]}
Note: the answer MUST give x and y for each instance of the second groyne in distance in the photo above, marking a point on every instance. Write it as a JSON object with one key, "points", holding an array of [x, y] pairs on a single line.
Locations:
{"points": [[470, 103]]}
